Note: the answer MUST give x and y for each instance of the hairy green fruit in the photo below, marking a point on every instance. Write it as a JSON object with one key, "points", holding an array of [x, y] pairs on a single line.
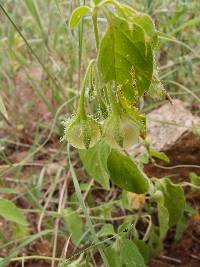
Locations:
{"points": [[121, 132], [82, 133]]}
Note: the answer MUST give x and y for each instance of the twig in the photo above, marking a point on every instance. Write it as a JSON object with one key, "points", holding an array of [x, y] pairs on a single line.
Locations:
{"points": [[65, 248], [56, 227], [53, 186], [176, 166], [195, 257], [170, 258]]}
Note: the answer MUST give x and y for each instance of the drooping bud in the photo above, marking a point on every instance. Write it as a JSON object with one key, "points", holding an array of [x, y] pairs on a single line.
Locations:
{"points": [[82, 134], [120, 131]]}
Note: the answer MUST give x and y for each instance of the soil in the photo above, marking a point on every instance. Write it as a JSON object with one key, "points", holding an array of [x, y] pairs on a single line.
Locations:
{"points": [[179, 154]]}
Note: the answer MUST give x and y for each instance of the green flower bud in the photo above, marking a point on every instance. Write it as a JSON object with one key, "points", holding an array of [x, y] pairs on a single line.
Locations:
{"points": [[120, 131], [82, 133]]}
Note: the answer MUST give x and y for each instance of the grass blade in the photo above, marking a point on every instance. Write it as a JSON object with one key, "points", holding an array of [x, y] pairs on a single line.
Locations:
{"points": [[190, 23], [33, 8], [31, 49]]}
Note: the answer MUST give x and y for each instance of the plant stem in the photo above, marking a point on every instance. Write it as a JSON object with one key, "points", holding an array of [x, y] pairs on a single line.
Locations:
{"points": [[95, 25], [81, 106], [80, 48], [35, 257], [102, 104]]}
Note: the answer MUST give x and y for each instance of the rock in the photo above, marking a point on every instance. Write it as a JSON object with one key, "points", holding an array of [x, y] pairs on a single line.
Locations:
{"points": [[171, 130], [169, 124]]}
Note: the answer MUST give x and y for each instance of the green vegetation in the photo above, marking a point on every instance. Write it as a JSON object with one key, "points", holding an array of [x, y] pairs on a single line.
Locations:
{"points": [[87, 72]]}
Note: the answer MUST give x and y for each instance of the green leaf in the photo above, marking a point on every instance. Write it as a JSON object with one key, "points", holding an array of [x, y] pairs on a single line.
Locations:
{"points": [[144, 249], [155, 243], [130, 254], [174, 200], [19, 231], [181, 226], [125, 226], [77, 14], [147, 24], [141, 19], [113, 257], [124, 253], [106, 230], [163, 217], [159, 155], [74, 224], [126, 58], [3, 109], [195, 180], [10, 212], [196, 130], [126, 174], [95, 163]]}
